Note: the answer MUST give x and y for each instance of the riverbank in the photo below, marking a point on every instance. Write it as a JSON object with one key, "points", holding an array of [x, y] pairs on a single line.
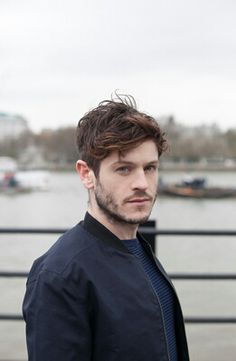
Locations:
{"points": [[165, 166], [198, 166]]}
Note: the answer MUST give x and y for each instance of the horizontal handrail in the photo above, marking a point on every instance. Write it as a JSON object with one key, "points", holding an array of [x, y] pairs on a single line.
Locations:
{"points": [[174, 276], [186, 232], [13, 274], [10, 317], [210, 319], [144, 230], [203, 276], [200, 319], [33, 230]]}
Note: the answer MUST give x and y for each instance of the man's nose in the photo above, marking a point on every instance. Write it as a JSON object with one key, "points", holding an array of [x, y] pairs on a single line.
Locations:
{"points": [[140, 180]]}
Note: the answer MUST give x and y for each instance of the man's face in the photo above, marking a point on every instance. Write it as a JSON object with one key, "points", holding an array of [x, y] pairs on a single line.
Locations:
{"points": [[126, 187]]}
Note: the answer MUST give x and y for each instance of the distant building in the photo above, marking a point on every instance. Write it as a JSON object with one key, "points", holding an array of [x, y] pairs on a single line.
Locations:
{"points": [[11, 125]]}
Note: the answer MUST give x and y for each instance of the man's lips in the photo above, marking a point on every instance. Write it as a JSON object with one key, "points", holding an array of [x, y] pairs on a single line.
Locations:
{"points": [[139, 200]]}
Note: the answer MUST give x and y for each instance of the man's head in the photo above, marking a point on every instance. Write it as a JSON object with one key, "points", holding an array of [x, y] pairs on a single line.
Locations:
{"points": [[115, 125], [119, 156]]}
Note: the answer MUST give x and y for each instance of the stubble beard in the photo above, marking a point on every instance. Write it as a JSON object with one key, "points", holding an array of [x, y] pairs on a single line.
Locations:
{"points": [[110, 208]]}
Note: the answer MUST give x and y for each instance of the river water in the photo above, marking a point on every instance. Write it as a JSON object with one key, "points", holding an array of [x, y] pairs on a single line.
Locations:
{"points": [[64, 204]]}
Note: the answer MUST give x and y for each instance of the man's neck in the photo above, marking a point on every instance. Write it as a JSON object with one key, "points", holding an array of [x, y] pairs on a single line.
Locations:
{"points": [[121, 230]]}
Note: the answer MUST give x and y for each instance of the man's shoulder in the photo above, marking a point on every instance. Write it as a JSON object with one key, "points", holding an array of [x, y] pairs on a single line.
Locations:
{"points": [[67, 254]]}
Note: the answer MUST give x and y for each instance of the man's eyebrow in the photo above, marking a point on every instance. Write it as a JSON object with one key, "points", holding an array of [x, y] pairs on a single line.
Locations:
{"points": [[120, 161], [156, 162]]}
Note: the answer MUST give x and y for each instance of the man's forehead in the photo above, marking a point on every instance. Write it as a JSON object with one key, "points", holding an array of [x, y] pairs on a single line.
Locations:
{"points": [[146, 152], [130, 158], [147, 148]]}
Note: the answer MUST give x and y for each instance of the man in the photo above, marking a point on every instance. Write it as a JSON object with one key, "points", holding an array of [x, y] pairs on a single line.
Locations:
{"points": [[100, 294]]}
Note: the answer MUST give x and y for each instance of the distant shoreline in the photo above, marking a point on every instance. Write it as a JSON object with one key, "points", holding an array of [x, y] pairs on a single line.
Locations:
{"points": [[196, 167], [167, 167]]}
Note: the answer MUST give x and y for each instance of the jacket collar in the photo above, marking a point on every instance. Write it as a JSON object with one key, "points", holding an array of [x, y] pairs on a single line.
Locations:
{"points": [[98, 230]]}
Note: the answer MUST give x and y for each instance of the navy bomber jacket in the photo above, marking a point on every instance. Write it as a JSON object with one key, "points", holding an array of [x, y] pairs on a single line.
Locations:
{"points": [[88, 299]]}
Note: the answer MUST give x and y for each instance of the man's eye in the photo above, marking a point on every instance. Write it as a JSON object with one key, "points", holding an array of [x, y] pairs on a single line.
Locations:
{"points": [[151, 168], [123, 170]]}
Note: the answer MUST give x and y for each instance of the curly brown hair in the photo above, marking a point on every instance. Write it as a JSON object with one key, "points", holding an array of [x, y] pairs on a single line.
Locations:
{"points": [[115, 125]]}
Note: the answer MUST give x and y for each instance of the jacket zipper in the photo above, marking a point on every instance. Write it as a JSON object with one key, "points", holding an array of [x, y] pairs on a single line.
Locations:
{"points": [[162, 316], [163, 274], [156, 295], [166, 278]]}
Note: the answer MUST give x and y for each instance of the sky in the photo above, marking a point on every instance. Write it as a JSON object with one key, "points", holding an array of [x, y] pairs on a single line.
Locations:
{"points": [[60, 58]]}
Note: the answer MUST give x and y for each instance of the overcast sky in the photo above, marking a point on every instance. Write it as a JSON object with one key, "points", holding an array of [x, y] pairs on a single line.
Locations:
{"points": [[59, 58]]}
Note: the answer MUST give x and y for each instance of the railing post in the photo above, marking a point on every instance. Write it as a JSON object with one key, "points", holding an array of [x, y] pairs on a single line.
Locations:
{"points": [[150, 237]]}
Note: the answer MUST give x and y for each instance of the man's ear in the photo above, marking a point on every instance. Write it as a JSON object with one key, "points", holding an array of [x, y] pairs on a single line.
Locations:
{"points": [[86, 174]]}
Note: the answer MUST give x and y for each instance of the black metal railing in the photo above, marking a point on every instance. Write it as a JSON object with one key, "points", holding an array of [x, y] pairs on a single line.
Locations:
{"points": [[150, 232]]}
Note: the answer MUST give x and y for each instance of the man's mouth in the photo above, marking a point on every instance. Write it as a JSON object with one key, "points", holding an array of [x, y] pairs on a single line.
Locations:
{"points": [[139, 200]]}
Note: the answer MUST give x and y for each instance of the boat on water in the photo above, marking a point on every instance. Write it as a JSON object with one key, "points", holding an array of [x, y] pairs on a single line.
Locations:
{"points": [[195, 188], [23, 181], [13, 181]]}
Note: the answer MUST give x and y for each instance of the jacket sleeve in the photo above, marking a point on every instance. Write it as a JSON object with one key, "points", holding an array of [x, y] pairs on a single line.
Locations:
{"points": [[57, 320]]}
